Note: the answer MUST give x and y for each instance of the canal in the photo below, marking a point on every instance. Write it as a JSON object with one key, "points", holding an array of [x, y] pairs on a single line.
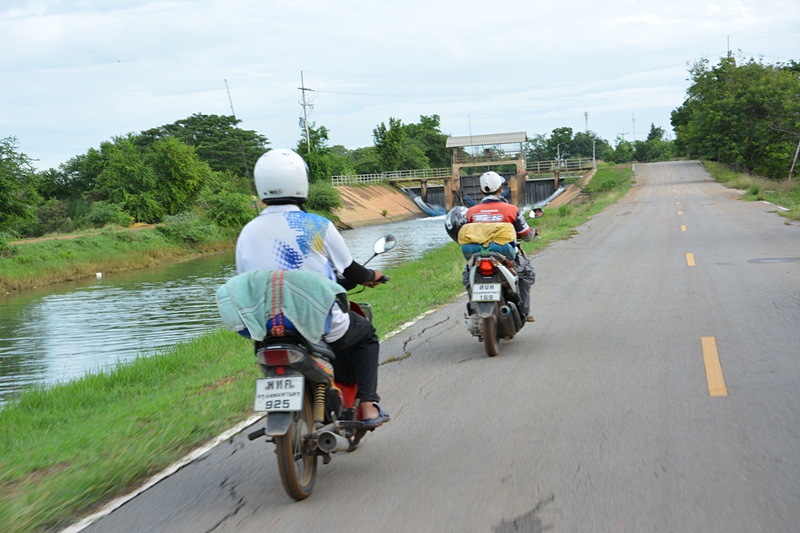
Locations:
{"points": [[63, 331]]}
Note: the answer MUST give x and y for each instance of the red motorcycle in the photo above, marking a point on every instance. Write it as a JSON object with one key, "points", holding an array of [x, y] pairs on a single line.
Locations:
{"points": [[309, 413]]}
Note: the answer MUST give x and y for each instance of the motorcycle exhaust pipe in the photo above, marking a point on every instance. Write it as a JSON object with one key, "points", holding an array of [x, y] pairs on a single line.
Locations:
{"points": [[507, 320], [330, 442]]}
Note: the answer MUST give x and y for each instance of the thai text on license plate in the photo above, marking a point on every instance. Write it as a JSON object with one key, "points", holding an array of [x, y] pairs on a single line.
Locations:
{"points": [[486, 292], [279, 394]]}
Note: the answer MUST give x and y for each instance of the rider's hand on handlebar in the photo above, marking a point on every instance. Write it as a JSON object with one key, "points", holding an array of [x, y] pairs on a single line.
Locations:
{"points": [[376, 279]]}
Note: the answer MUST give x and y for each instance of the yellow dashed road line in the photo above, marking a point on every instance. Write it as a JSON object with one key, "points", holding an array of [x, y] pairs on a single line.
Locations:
{"points": [[716, 381]]}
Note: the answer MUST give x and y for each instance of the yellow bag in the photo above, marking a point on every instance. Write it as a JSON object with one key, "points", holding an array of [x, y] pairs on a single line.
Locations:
{"points": [[486, 232]]}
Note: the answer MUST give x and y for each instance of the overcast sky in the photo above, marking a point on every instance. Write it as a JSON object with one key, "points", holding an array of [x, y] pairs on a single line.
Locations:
{"points": [[77, 73]]}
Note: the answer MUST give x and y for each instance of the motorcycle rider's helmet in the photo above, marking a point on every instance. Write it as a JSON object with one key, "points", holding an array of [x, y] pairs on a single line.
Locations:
{"points": [[454, 219], [281, 176], [491, 182]]}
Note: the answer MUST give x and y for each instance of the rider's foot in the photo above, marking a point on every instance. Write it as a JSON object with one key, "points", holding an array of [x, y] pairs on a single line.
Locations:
{"points": [[530, 318], [372, 415]]}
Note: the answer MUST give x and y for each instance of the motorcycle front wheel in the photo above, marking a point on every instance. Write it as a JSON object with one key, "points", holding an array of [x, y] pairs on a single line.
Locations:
{"points": [[491, 335], [296, 463]]}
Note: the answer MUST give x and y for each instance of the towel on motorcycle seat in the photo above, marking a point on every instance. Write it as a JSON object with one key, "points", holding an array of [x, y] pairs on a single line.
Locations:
{"points": [[495, 236], [245, 301], [508, 250]]}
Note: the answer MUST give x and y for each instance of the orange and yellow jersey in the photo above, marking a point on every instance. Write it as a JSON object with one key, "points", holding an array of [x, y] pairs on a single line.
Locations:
{"points": [[496, 209]]}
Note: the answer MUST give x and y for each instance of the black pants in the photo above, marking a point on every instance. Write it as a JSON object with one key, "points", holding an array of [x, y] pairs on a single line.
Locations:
{"points": [[357, 355]]}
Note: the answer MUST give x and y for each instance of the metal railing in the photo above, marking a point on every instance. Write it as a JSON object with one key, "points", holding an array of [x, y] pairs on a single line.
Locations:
{"points": [[423, 173], [536, 167], [542, 167]]}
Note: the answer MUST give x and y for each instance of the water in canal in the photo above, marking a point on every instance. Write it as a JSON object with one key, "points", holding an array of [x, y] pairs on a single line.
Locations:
{"points": [[61, 332]]}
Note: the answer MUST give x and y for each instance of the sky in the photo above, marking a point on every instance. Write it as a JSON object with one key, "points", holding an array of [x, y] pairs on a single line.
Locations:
{"points": [[74, 74]]}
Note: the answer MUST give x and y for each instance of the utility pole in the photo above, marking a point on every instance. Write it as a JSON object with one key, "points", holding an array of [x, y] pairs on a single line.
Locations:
{"points": [[586, 116], [633, 121], [305, 114], [791, 170]]}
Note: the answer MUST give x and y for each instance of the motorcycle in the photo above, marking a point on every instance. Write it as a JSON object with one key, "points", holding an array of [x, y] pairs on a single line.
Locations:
{"points": [[494, 299], [309, 413]]}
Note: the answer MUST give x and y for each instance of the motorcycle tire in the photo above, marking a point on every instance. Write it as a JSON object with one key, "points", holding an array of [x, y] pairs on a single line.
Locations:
{"points": [[296, 463], [491, 335]]}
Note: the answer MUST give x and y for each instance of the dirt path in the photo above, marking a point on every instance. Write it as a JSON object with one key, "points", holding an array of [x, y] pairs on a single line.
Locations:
{"points": [[135, 227]]}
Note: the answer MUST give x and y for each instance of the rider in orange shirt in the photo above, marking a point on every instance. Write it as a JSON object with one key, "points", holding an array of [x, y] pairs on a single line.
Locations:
{"points": [[494, 208]]}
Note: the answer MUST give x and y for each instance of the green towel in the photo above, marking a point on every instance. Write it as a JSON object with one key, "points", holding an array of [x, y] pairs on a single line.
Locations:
{"points": [[245, 301]]}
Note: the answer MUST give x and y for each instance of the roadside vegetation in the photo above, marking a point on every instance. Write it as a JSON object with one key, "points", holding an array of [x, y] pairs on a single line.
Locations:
{"points": [[785, 193], [67, 449]]}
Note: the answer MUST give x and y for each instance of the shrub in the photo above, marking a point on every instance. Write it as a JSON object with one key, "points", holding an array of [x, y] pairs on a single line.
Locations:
{"points": [[322, 197], [103, 213], [52, 217], [189, 227], [227, 208], [564, 210]]}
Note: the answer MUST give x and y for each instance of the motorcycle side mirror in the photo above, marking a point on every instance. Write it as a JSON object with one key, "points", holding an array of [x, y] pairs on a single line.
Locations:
{"points": [[384, 244]]}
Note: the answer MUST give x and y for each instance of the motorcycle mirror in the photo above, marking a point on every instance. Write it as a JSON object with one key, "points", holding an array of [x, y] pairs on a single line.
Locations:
{"points": [[384, 244]]}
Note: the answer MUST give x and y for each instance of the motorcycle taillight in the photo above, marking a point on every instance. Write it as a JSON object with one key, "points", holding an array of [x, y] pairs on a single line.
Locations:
{"points": [[279, 356], [276, 357], [486, 267]]}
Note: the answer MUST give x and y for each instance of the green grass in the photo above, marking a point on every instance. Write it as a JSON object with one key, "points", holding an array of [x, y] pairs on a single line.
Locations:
{"points": [[38, 263], [785, 193], [67, 449]]}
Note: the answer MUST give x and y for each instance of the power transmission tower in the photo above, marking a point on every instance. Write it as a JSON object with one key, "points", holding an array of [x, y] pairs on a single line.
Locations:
{"points": [[586, 115]]}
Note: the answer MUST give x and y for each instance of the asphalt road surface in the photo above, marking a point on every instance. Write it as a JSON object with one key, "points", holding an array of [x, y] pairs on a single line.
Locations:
{"points": [[657, 392]]}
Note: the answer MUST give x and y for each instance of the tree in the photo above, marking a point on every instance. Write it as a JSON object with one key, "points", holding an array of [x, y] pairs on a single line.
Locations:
{"points": [[587, 145], [395, 149], [559, 145], [18, 194], [427, 135], [745, 115], [128, 181], [215, 139], [323, 161], [179, 174]]}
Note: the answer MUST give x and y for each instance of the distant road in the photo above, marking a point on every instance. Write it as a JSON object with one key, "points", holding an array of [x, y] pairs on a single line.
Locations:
{"points": [[657, 391]]}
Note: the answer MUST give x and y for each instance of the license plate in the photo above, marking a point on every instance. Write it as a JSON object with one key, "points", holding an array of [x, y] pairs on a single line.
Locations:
{"points": [[486, 292], [279, 394]]}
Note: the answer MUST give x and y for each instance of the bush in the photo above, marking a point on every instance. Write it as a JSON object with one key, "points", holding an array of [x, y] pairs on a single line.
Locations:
{"points": [[103, 213], [5, 249], [564, 210], [189, 227], [227, 208], [322, 197]]}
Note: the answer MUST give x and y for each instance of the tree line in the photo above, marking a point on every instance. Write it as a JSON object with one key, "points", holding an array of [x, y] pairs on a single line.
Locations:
{"points": [[746, 115]]}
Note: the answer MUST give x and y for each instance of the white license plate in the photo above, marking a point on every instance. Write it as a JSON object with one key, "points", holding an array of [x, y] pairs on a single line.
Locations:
{"points": [[486, 292], [279, 394]]}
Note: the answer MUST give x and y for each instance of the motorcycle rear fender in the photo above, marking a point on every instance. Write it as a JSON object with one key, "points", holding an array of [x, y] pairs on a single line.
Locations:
{"points": [[278, 424], [485, 309]]}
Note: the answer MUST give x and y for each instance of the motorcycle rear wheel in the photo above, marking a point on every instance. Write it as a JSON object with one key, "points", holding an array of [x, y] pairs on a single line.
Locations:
{"points": [[297, 465], [491, 335]]}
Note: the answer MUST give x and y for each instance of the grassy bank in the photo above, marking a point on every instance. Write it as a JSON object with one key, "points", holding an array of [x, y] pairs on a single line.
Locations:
{"points": [[785, 193], [65, 450], [37, 263]]}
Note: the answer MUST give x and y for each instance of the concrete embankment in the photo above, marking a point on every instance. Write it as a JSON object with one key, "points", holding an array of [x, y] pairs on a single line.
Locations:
{"points": [[365, 205]]}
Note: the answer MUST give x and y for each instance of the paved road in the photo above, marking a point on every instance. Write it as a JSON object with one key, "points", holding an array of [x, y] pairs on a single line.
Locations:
{"points": [[656, 392]]}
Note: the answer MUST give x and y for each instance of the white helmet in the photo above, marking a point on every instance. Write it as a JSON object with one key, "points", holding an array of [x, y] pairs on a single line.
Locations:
{"points": [[491, 182], [281, 174]]}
